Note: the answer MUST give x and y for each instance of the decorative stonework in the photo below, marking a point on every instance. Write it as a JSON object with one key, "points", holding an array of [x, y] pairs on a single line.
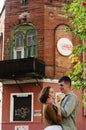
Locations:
{"points": [[24, 15]]}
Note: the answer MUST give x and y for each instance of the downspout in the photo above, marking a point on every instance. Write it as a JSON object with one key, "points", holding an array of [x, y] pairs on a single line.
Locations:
{"points": [[83, 60]]}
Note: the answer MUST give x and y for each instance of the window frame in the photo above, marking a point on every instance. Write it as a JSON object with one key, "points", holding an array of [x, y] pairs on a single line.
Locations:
{"points": [[16, 50], [12, 105], [23, 29], [30, 51]]}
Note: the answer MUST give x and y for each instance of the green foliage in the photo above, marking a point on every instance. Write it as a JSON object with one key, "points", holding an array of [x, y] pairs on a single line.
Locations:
{"points": [[79, 49], [76, 13], [78, 73]]}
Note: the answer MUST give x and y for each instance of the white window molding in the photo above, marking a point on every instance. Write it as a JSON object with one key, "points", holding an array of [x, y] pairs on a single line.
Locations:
{"points": [[21, 107], [19, 50]]}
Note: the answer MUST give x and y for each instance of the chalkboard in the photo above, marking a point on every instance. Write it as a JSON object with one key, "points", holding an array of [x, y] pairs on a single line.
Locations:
{"points": [[22, 108]]}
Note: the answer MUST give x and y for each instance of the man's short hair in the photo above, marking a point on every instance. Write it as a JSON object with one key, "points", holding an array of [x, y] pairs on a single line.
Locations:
{"points": [[65, 79]]}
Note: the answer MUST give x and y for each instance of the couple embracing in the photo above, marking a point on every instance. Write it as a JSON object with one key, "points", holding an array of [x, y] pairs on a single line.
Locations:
{"points": [[59, 116]]}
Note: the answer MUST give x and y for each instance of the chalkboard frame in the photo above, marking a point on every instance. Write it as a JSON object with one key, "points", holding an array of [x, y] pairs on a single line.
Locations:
{"points": [[21, 107]]}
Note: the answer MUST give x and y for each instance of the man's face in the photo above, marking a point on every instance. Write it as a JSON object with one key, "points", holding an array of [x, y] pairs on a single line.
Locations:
{"points": [[64, 87]]}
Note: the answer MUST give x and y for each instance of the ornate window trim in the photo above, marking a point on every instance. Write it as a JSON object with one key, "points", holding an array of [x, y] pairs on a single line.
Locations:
{"points": [[22, 48]]}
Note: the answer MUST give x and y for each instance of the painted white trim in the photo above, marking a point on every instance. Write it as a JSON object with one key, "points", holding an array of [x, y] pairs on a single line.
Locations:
{"points": [[23, 81], [21, 127], [12, 105], [26, 80], [18, 49]]}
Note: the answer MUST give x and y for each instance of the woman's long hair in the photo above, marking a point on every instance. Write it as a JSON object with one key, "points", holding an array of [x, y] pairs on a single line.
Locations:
{"points": [[44, 94]]}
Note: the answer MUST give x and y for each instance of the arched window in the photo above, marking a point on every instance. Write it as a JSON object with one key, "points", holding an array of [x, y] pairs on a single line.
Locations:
{"points": [[63, 45], [24, 42]]}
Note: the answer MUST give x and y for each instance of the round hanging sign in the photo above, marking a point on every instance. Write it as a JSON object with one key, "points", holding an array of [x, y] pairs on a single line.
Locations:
{"points": [[64, 46]]}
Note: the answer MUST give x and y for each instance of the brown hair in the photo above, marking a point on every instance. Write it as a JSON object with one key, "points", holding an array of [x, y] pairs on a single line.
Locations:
{"points": [[43, 95], [65, 79]]}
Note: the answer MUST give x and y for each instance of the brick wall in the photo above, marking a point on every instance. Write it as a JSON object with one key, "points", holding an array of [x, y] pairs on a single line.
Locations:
{"points": [[47, 17], [36, 10], [56, 64]]}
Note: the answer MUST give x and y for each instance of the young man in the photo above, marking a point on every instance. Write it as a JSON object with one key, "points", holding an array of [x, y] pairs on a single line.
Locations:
{"points": [[69, 104]]}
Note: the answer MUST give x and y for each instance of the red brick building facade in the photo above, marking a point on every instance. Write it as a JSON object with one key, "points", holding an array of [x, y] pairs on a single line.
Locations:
{"points": [[33, 29]]}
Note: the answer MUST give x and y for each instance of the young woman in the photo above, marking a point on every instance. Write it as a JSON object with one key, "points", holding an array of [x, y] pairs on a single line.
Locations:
{"points": [[51, 109]]}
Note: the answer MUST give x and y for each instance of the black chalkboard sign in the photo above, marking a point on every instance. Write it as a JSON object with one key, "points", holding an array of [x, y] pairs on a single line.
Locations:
{"points": [[22, 108]]}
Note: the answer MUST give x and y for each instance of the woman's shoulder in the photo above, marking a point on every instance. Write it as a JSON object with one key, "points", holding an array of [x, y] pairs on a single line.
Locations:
{"points": [[48, 106]]}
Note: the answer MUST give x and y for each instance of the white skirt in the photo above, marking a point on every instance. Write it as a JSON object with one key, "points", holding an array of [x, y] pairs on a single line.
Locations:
{"points": [[53, 127]]}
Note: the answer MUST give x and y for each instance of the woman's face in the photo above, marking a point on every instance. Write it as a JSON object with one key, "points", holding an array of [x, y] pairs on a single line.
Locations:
{"points": [[52, 93]]}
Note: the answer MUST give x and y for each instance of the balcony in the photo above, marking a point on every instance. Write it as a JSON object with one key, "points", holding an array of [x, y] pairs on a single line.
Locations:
{"points": [[21, 68]]}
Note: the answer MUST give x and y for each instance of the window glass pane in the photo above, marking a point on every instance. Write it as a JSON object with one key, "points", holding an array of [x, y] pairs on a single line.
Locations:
{"points": [[31, 37], [30, 51], [24, 2], [18, 45], [19, 40], [18, 54], [31, 43]]}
